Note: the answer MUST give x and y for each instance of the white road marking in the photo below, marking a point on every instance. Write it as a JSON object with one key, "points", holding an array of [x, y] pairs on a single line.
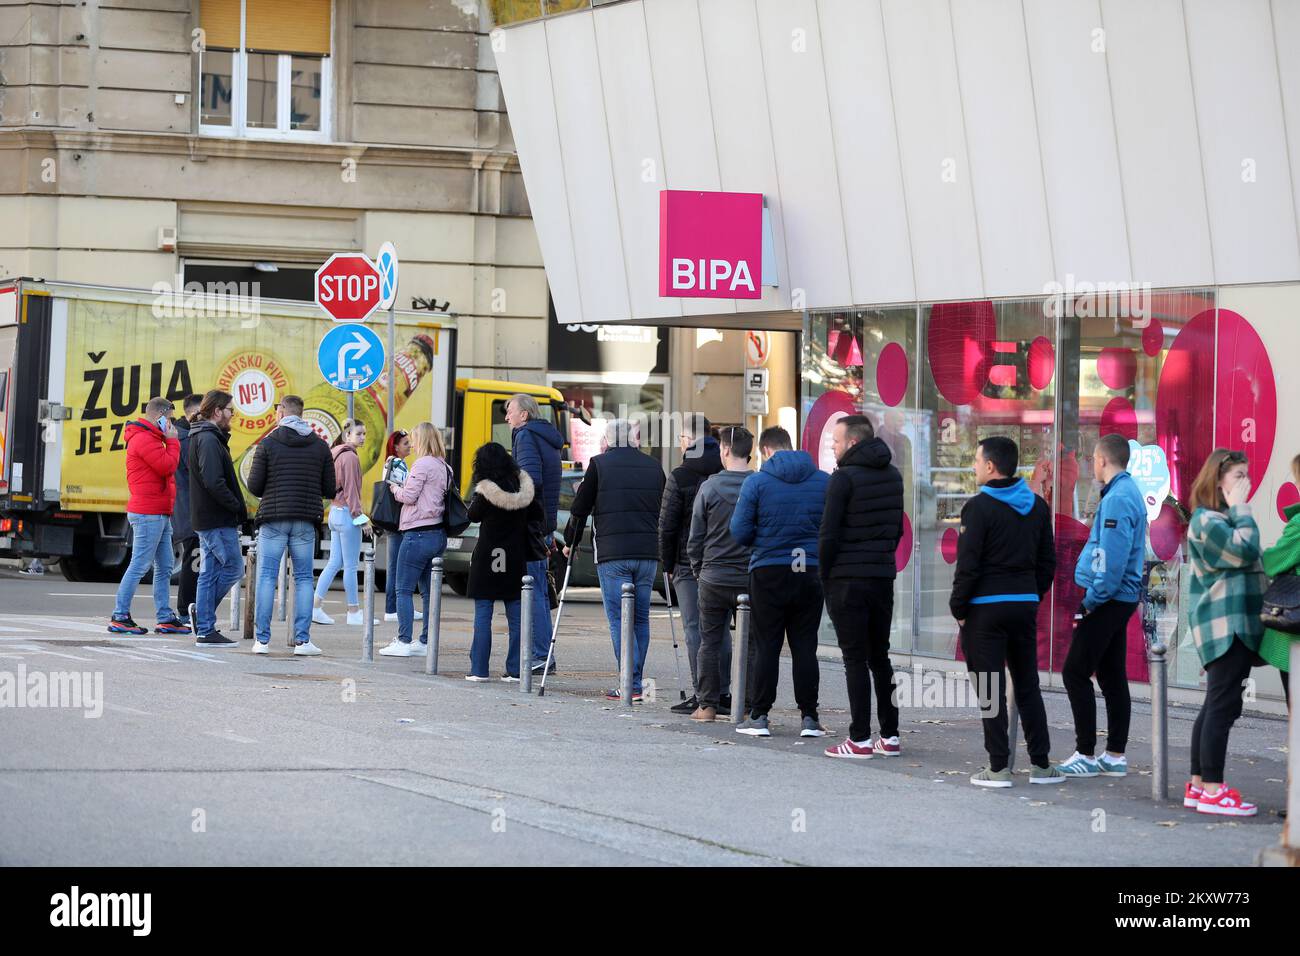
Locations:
{"points": [[227, 735], [128, 655], [128, 710]]}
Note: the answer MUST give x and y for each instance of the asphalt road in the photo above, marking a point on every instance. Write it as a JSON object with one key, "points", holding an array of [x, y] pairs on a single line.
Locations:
{"points": [[206, 757]]}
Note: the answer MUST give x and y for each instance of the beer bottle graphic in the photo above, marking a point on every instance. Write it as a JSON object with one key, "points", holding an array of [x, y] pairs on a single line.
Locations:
{"points": [[325, 408]]}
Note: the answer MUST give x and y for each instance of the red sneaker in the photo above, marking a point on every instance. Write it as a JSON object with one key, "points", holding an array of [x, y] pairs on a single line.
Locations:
{"points": [[1192, 795], [1226, 802], [887, 747], [851, 751]]}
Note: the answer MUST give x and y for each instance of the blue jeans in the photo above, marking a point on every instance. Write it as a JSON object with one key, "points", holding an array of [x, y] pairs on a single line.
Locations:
{"points": [[273, 538], [345, 549], [415, 566], [223, 566], [390, 577], [480, 651], [613, 575], [541, 610], [151, 545]]}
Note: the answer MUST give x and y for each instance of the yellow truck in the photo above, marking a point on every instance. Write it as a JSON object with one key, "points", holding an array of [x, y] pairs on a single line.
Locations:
{"points": [[78, 362]]}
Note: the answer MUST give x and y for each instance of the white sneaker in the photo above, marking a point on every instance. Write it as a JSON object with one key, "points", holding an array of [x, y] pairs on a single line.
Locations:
{"points": [[306, 650], [355, 618], [318, 616], [418, 649], [419, 615], [389, 618], [396, 649], [260, 648], [477, 680]]}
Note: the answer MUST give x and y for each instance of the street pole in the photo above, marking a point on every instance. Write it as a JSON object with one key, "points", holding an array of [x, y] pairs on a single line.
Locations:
{"points": [[740, 661], [390, 419], [627, 655], [526, 634]]}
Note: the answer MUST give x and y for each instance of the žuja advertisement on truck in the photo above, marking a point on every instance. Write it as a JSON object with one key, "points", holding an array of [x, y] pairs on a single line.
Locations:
{"points": [[122, 354]]}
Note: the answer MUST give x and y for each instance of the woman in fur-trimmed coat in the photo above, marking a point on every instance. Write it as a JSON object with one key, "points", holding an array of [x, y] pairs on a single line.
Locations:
{"points": [[510, 519]]}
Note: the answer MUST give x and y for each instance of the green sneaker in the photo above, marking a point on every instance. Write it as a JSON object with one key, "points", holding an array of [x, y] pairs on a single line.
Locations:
{"points": [[1045, 775], [991, 778], [1113, 766]]}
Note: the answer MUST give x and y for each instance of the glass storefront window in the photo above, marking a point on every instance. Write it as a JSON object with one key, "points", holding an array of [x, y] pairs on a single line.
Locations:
{"points": [[607, 400]]}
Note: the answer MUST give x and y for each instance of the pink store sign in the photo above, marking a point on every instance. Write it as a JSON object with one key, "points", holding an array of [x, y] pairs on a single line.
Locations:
{"points": [[710, 244]]}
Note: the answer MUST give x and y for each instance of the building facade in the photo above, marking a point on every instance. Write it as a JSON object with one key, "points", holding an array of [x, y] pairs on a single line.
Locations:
{"points": [[1046, 219]]}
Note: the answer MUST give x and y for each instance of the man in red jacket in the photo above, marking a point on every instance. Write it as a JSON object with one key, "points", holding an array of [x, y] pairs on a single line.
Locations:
{"points": [[153, 451]]}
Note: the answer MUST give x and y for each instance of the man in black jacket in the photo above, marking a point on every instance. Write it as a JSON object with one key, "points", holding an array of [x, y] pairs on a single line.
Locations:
{"points": [[621, 490], [182, 530], [1006, 557], [292, 472], [701, 458], [216, 510], [861, 527]]}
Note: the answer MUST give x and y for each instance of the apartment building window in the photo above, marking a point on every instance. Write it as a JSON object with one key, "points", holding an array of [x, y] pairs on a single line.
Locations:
{"points": [[265, 68]]}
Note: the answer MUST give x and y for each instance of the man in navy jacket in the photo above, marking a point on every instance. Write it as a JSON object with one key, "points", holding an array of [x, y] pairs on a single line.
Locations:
{"points": [[1109, 570], [779, 515]]}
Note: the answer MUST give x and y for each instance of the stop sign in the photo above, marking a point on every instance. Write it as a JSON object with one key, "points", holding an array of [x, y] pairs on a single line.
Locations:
{"points": [[347, 286]]}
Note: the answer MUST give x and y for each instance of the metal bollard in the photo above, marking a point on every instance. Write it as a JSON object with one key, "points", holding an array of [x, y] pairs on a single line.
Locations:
{"points": [[1013, 724], [368, 601], [740, 661], [282, 585], [250, 593], [234, 600], [525, 634], [434, 597], [627, 642], [1158, 666]]}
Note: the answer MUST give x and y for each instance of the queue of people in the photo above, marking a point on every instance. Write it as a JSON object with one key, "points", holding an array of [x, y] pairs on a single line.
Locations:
{"points": [[792, 537]]}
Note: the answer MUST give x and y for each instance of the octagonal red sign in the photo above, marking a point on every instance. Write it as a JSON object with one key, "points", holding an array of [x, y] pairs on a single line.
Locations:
{"points": [[347, 286]]}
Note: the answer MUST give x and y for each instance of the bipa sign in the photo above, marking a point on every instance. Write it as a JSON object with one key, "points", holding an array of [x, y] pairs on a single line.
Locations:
{"points": [[710, 244]]}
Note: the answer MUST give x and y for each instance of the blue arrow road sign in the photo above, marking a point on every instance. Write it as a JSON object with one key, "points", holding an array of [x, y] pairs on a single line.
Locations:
{"points": [[351, 357]]}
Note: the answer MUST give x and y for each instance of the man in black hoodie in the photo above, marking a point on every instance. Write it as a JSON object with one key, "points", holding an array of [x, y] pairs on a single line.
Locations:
{"points": [[182, 530], [216, 510], [701, 458], [292, 472], [856, 547], [1006, 557]]}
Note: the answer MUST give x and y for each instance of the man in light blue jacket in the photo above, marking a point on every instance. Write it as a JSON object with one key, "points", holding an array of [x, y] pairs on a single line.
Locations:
{"points": [[1109, 570]]}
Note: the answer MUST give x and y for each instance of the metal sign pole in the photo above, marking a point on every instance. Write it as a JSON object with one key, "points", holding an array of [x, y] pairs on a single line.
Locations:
{"points": [[390, 402], [526, 635]]}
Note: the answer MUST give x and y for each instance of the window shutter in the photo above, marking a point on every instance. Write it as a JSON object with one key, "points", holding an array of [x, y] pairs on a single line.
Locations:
{"points": [[219, 20], [289, 26]]}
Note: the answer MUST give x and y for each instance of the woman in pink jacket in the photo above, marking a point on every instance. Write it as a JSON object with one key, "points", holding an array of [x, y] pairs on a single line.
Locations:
{"points": [[423, 497], [345, 537]]}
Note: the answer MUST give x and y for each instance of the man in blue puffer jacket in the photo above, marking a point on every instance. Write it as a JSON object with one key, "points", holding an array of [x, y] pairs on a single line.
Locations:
{"points": [[1109, 570], [779, 515], [536, 445]]}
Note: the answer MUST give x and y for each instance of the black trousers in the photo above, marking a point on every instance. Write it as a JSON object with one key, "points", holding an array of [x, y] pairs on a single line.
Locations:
{"points": [[1220, 710], [1100, 646], [862, 610], [998, 636], [188, 586], [787, 606], [716, 602]]}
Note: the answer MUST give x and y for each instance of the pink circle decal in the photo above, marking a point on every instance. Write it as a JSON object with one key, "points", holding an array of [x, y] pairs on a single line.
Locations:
{"points": [[958, 344], [1117, 368], [891, 374], [1153, 337], [829, 408], [1042, 362], [1287, 496], [904, 552], [1166, 532], [1245, 394], [1119, 416], [948, 545]]}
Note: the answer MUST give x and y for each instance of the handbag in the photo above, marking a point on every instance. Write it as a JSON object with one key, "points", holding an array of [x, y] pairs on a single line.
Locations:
{"points": [[1282, 604], [455, 516], [385, 512]]}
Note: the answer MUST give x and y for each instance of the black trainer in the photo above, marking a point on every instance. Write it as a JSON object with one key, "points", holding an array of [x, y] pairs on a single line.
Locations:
{"points": [[215, 640], [539, 666], [685, 707], [724, 706]]}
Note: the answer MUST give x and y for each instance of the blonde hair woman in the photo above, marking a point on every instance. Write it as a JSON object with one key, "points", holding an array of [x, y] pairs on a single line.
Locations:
{"points": [[1227, 594], [345, 537], [423, 497]]}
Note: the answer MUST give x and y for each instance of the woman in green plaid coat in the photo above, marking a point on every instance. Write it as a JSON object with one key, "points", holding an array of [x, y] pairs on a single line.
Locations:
{"points": [[1283, 558], [1227, 594]]}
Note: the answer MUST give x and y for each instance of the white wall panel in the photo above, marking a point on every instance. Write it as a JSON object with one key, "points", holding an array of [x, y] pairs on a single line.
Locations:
{"points": [[525, 81], [742, 125], [936, 170], [584, 144], [1286, 37], [866, 151], [634, 145], [805, 150], [1002, 140], [1159, 151], [685, 119], [1076, 137], [1239, 113]]}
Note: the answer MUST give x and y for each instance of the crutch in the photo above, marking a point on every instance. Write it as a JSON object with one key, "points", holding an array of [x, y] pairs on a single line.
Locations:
{"points": [[677, 660], [555, 628]]}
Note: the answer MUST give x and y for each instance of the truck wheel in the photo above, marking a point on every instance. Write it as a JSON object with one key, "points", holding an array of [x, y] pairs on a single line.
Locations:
{"points": [[72, 569], [459, 583]]}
